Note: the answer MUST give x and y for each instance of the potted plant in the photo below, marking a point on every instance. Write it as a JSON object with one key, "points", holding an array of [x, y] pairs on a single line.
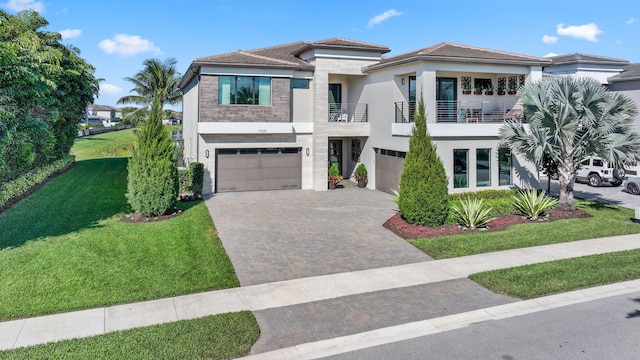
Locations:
{"points": [[361, 175], [466, 89], [334, 176], [512, 89], [489, 90], [501, 90], [478, 90]]}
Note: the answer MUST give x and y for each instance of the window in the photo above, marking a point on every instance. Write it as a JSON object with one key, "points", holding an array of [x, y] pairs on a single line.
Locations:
{"points": [[504, 166], [460, 175], [483, 167], [299, 83], [244, 90], [598, 162]]}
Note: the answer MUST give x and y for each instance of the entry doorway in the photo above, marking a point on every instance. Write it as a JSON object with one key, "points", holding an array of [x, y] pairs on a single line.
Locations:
{"points": [[447, 99], [335, 153]]}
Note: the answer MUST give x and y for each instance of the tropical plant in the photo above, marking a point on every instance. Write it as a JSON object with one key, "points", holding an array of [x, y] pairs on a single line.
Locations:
{"points": [[532, 203], [571, 119], [157, 81], [472, 212], [152, 187], [334, 174], [423, 195], [361, 172]]}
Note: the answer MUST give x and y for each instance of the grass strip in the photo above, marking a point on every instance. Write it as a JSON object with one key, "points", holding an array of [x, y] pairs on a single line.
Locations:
{"points": [[110, 144], [606, 220], [223, 336], [64, 248], [532, 281]]}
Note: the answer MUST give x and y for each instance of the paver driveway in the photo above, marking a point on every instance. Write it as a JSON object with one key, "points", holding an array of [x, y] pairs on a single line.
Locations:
{"points": [[287, 234]]}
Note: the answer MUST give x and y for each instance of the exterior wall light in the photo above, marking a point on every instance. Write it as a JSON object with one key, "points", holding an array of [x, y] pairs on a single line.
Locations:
{"points": [[402, 81], [308, 151], [206, 153]]}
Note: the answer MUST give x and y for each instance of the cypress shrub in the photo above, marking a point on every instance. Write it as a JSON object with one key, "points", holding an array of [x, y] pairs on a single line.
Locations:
{"points": [[196, 172], [152, 187], [423, 195]]}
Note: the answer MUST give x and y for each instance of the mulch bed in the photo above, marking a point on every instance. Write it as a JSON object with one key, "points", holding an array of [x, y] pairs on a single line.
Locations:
{"points": [[137, 218], [408, 231]]}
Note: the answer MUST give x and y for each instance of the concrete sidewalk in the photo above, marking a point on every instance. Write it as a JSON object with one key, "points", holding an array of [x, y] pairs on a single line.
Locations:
{"points": [[39, 330]]}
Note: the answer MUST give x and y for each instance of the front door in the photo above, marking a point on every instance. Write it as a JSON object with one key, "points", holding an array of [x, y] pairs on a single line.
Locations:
{"points": [[335, 101], [447, 99], [335, 153]]}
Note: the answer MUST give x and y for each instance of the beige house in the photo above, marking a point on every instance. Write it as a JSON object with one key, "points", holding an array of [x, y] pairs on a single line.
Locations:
{"points": [[278, 117]]}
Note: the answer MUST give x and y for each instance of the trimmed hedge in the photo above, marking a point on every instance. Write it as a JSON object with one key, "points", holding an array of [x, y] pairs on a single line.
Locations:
{"points": [[20, 186], [191, 181]]}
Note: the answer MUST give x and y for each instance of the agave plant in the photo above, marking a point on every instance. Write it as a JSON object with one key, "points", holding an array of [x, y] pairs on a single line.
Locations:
{"points": [[472, 212], [533, 203]]}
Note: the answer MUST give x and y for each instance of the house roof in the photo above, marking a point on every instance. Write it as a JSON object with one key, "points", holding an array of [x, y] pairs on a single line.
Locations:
{"points": [[629, 73], [283, 56], [578, 58], [103, 107], [461, 53]]}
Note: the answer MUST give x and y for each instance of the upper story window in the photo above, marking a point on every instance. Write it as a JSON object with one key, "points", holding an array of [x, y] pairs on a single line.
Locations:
{"points": [[244, 90]]}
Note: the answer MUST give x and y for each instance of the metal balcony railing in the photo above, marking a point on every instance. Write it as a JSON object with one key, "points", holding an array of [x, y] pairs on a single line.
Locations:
{"points": [[348, 112], [462, 111]]}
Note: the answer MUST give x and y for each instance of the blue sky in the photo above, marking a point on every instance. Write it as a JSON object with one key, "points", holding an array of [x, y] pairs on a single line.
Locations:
{"points": [[116, 36]]}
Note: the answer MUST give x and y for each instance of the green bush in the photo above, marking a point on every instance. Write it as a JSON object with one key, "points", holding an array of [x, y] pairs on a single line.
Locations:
{"points": [[191, 180], [361, 172], [423, 195], [23, 183], [152, 187], [472, 212], [533, 203]]}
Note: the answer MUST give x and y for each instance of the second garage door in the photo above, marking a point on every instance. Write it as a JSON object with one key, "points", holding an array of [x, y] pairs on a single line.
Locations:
{"points": [[388, 169], [258, 169]]}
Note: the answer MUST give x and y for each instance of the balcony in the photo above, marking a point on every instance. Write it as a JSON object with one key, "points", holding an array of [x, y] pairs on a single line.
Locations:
{"points": [[348, 112], [463, 111]]}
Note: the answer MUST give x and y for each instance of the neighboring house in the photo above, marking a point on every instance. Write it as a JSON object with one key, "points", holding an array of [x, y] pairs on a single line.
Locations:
{"points": [[278, 117], [174, 119], [108, 115]]}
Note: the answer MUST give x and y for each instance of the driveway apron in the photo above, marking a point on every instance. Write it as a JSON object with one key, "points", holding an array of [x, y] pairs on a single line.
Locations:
{"points": [[288, 234]]}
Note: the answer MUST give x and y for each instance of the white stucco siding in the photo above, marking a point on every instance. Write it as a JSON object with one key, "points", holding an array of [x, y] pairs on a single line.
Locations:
{"points": [[190, 121], [302, 104]]}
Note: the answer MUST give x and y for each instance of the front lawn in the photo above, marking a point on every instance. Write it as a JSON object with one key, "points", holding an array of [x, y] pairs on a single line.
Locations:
{"points": [[532, 281], [605, 220], [223, 336], [109, 144], [64, 248]]}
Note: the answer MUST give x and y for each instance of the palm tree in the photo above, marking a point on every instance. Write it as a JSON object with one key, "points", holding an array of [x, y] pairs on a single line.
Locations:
{"points": [[571, 119], [158, 80]]}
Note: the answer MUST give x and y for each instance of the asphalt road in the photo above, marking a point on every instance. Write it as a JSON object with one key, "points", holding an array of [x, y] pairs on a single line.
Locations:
{"points": [[605, 193], [600, 329]]}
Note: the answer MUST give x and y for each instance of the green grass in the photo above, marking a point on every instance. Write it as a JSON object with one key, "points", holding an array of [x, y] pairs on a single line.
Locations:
{"points": [[64, 248], [214, 337], [606, 220], [531, 281], [111, 144]]}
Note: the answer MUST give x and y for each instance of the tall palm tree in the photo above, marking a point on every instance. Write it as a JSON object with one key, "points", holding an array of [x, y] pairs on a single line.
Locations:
{"points": [[158, 80], [572, 119]]}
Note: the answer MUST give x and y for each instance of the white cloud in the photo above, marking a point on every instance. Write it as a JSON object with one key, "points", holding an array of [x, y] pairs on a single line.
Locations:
{"points": [[70, 33], [632, 20], [551, 54], [587, 32], [110, 89], [382, 17], [127, 45], [19, 5], [548, 39]]}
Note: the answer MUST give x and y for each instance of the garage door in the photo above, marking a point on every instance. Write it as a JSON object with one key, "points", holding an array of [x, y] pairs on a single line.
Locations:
{"points": [[388, 169], [258, 169]]}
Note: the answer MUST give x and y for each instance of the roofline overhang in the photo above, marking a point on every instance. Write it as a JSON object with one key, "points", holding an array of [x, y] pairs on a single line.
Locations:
{"points": [[591, 62], [310, 46], [454, 59], [620, 79]]}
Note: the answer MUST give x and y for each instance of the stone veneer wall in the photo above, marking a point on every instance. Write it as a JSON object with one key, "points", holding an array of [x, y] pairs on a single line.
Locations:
{"points": [[211, 111]]}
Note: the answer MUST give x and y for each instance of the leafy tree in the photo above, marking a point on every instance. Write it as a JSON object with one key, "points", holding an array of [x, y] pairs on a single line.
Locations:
{"points": [[153, 174], [158, 81], [423, 195], [572, 119]]}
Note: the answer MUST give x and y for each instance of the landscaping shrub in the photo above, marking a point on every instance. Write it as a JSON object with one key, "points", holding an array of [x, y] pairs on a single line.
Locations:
{"points": [[472, 212], [500, 202], [423, 195], [153, 175], [533, 203], [196, 171], [25, 182]]}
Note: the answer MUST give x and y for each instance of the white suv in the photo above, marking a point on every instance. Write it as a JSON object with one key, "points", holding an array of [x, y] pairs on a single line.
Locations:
{"points": [[594, 171]]}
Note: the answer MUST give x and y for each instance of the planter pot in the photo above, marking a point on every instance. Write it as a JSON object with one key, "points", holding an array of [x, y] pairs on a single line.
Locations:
{"points": [[512, 92], [332, 186], [362, 183], [477, 92], [489, 93], [501, 92], [466, 92]]}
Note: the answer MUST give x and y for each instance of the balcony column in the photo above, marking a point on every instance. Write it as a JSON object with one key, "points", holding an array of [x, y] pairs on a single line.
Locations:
{"points": [[426, 87], [321, 122]]}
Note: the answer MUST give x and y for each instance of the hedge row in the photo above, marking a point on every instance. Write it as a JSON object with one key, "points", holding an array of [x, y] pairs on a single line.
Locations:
{"points": [[16, 188]]}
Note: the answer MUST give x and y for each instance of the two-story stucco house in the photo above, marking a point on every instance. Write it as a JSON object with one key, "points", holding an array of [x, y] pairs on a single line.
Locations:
{"points": [[278, 117]]}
